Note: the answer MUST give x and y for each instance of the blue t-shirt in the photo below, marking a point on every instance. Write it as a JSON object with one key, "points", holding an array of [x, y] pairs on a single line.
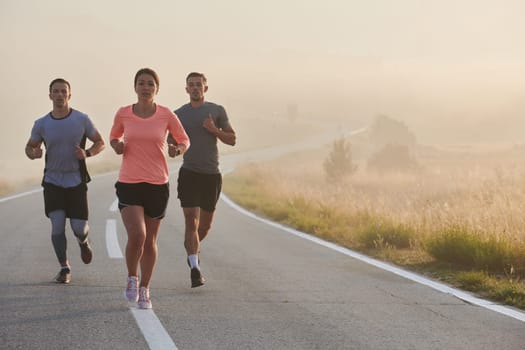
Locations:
{"points": [[60, 137], [203, 155]]}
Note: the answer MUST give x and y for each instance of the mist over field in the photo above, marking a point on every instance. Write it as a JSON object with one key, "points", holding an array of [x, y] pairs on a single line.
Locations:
{"points": [[453, 72]]}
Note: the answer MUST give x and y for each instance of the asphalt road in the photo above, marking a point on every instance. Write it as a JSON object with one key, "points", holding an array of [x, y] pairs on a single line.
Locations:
{"points": [[266, 289]]}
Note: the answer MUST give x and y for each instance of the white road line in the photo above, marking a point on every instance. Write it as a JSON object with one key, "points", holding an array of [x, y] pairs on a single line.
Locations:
{"points": [[5, 199], [153, 331], [155, 334], [114, 205], [508, 311], [112, 244]]}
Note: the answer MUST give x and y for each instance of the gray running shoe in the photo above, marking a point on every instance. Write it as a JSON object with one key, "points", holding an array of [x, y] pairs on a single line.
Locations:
{"points": [[63, 276]]}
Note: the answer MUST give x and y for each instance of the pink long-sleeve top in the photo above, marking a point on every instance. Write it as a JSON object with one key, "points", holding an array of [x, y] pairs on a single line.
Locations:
{"points": [[144, 157]]}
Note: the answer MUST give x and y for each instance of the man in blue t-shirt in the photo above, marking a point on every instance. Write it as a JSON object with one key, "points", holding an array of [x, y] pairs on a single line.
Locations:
{"points": [[200, 181], [63, 131]]}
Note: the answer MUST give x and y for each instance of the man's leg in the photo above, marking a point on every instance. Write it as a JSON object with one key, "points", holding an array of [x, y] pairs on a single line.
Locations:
{"points": [[205, 220], [191, 236], [192, 245], [77, 210], [58, 235], [80, 229]]}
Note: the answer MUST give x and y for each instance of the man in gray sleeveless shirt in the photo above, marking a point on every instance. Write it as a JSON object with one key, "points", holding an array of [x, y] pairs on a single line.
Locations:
{"points": [[63, 131], [199, 182]]}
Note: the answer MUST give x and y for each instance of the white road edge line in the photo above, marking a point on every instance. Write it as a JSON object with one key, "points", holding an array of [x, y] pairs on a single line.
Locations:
{"points": [[40, 189], [112, 244], [508, 311], [5, 199], [504, 310]]}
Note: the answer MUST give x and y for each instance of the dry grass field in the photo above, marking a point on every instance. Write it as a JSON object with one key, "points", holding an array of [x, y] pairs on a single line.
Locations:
{"points": [[459, 216]]}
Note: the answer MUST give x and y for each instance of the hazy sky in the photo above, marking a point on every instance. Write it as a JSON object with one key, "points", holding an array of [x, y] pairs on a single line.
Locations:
{"points": [[429, 63]]}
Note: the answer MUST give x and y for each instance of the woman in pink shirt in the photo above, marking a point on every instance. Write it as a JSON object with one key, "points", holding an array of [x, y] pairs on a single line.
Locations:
{"points": [[139, 135]]}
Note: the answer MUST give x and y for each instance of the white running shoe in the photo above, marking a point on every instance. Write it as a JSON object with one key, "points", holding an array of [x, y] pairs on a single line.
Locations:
{"points": [[144, 301], [132, 293]]}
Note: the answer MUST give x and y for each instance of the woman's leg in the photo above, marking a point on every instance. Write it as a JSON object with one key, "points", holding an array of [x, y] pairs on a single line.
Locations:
{"points": [[133, 219], [150, 252]]}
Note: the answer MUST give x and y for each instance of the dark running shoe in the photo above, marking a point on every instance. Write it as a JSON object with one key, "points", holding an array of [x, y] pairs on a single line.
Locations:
{"points": [[63, 276], [197, 279], [86, 254]]}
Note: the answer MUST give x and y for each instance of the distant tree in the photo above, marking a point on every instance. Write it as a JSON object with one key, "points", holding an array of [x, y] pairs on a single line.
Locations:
{"points": [[386, 130], [292, 112], [339, 162], [392, 157]]}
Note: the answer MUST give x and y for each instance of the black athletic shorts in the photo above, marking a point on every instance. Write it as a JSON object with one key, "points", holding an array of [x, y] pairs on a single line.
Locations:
{"points": [[153, 198], [198, 190], [73, 200]]}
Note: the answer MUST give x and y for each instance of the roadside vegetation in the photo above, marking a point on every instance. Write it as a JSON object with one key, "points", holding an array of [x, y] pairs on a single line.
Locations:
{"points": [[455, 214], [5, 187]]}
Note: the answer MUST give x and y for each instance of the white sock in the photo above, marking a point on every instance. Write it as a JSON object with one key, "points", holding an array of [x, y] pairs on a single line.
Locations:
{"points": [[194, 261]]}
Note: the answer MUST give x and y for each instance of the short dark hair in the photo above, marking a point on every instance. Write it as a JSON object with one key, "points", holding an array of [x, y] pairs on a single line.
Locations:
{"points": [[59, 80], [147, 71], [197, 75]]}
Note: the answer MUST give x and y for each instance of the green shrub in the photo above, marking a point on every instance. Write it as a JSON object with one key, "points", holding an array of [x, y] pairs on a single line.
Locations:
{"points": [[461, 247], [339, 162], [392, 157], [381, 234], [472, 280], [510, 293], [385, 130]]}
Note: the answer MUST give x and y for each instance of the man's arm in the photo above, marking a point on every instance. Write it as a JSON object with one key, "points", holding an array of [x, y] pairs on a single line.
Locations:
{"points": [[226, 135], [33, 149], [97, 147]]}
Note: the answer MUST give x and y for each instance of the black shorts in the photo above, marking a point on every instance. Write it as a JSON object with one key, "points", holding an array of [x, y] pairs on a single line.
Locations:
{"points": [[153, 198], [73, 200], [198, 190]]}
